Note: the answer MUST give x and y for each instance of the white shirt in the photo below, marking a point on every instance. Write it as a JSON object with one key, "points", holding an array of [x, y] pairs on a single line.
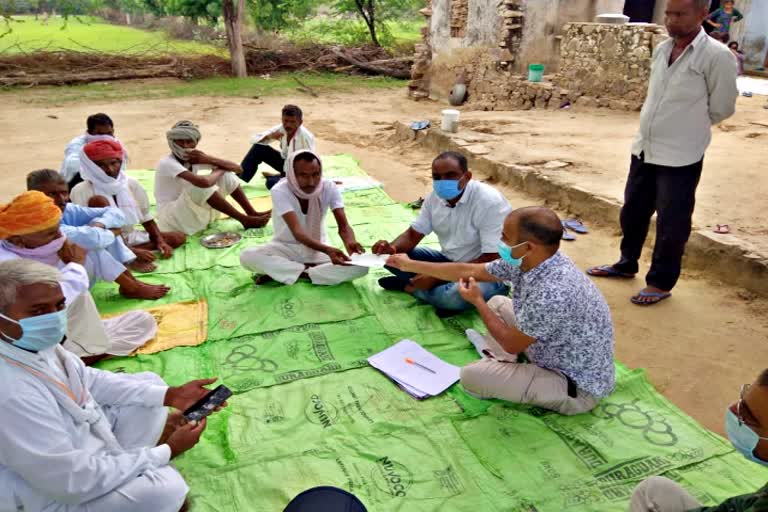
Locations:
{"points": [[684, 100], [74, 279], [168, 187], [284, 201], [58, 458], [302, 141], [84, 191], [471, 228], [71, 164]]}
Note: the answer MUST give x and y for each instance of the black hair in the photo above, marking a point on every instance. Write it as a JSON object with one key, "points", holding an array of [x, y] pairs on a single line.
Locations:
{"points": [[37, 179], [539, 224], [460, 159], [306, 156], [762, 380], [293, 111], [732, 43], [98, 120]]}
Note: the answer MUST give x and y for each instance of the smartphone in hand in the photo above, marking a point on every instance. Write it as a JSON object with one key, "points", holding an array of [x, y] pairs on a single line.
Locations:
{"points": [[206, 405]]}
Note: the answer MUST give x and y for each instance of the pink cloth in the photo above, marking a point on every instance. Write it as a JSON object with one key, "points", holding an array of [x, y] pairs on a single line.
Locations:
{"points": [[48, 253]]}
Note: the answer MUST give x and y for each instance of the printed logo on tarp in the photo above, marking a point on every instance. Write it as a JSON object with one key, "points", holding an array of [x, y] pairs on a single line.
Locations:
{"points": [[320, 346], [288, 308], [319, 412], [449, 481], [586, 453], [303, 374], [392, 478], [244, 359], [653, 425]]}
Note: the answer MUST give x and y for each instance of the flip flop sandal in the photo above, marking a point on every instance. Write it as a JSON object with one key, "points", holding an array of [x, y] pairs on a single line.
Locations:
{"points": [[576, 225], [659, 296], [566, 235], [722, 229], [608, 271]]}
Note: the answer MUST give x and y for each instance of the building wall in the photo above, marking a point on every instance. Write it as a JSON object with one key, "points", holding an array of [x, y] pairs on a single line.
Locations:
{"points": [[754, 38]]}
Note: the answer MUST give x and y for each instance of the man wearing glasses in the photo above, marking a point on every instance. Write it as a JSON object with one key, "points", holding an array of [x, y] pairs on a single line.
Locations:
{"points": [[746, 423]]}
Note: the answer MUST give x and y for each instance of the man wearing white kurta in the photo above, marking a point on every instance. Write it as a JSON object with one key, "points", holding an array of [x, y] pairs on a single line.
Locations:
{"points": [[293, 137], [80, 439], [187, 201], [300, 245], [98, 126], [106, 184]]}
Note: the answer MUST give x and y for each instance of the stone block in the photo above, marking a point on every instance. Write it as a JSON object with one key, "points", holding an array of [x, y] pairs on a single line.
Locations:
{"points": [[587, 101]]}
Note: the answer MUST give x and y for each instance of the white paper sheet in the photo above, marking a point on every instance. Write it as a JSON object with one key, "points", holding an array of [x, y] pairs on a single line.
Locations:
{"points": [[368, 260], [392, 362], [350, 183]]}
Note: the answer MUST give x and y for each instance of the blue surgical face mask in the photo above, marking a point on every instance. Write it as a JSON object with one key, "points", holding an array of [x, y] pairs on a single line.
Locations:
{"points": [[505, 252], [743, 438], [446, 189], [39, 332]]}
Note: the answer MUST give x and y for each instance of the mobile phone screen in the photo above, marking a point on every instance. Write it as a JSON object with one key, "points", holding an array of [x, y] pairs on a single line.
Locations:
{"points": [[206, 405]]}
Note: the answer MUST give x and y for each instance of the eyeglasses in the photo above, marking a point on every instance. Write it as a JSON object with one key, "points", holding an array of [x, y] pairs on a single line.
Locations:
{"points": [[741, 404]]}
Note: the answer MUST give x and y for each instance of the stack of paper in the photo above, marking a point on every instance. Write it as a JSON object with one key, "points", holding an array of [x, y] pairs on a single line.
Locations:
{"points": [[419, 372], [368, 260]]}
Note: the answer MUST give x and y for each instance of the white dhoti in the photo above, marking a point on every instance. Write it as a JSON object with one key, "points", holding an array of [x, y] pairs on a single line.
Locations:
{"points": [[190, 213], [158, 490], [107, 264], [89, 335], [286, 262]]}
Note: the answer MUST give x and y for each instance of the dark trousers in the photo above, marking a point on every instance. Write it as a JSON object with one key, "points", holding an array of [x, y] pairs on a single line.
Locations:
{"points": [[262, 153], [671, 193]]}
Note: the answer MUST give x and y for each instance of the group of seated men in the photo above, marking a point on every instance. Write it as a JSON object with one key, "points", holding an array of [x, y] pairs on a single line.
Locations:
{"points": [[81, 439]]}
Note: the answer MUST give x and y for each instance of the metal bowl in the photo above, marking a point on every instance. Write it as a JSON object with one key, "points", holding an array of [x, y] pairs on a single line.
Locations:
{"points": [[220, 240]]}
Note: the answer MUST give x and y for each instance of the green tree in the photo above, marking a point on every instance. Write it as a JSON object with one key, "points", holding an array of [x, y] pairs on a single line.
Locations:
{"points": [[375, 12], [278, 14]]}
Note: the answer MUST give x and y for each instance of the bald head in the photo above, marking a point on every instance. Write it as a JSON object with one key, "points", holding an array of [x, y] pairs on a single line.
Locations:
{"points": [[535, 224]]}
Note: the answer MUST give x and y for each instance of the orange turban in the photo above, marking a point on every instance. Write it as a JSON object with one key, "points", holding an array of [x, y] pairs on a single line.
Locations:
{"points": [[30, 212], [103, 149]]}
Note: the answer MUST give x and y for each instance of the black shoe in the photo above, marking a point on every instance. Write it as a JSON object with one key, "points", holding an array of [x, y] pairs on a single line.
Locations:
{"points": [[392, 284], [446, 313]]}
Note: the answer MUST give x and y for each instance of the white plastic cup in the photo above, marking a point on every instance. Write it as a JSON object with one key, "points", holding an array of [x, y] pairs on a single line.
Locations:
{"points": [[450, 121]]}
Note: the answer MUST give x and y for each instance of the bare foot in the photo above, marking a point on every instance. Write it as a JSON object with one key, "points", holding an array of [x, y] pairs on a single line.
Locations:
{"points": [[143, 267], [262, 279], [139, 290]]}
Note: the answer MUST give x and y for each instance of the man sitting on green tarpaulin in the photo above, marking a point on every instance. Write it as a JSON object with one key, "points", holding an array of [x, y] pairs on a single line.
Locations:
{"points": [[746, 423], [556, 318]]}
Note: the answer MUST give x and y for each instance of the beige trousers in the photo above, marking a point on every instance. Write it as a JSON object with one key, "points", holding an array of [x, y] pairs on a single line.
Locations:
{"points": [[190, 213], [659, 494], [286, 262], [503, 378]]}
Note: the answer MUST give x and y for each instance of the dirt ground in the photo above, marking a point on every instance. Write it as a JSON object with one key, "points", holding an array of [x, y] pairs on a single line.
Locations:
{"points": [[698, 347]]}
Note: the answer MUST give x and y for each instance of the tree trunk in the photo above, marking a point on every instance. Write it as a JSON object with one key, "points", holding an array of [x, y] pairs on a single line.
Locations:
{"points": [[233, 21], [368, 12]]}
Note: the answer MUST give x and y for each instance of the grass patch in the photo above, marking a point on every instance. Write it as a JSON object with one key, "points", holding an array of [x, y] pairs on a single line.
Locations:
{"points": [[223, 86], [89, 33]]}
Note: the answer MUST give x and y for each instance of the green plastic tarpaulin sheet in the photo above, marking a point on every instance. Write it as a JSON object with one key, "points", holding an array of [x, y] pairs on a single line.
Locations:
{"points": [[309, 411]]}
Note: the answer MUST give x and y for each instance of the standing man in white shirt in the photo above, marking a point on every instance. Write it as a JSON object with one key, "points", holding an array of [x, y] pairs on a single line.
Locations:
{"points": [[467, 217], [293, 137], [692, 87]]}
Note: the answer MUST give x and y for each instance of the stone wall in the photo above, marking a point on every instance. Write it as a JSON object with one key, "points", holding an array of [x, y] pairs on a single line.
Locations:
{"points": [[602, 63]]}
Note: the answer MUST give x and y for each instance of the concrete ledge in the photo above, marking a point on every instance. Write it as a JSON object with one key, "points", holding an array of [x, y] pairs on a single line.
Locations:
{"points": [[727, 257]]}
